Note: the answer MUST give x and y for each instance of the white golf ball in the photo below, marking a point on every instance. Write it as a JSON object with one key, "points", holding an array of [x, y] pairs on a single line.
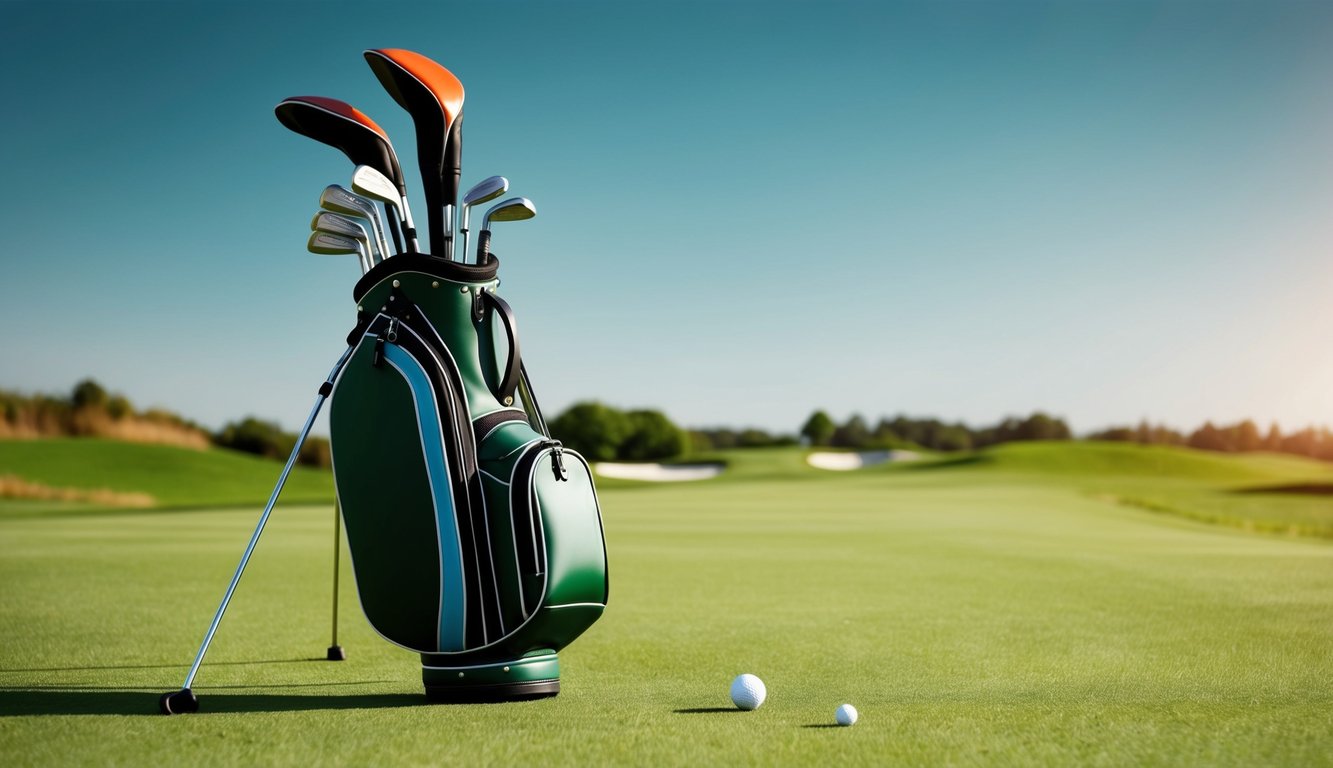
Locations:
{"points": [[846, 715], [748, 692]]}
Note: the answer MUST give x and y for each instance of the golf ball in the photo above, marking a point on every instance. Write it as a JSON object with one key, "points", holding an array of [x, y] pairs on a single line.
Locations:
{"points": [[748, 692], [846, 715]]}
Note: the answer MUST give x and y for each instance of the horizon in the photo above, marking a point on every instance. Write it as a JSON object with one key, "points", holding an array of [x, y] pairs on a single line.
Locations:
{"points": [[871, 420], [1107, 212]]}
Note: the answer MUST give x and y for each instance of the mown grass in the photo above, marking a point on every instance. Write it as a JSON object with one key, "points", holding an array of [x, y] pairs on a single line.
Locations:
{"points": [[997, 612], [174, 477]]}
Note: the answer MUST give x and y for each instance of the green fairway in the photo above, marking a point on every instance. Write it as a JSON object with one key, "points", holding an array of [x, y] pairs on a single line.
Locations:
{"points": [[174, 477], [1028, 607]]}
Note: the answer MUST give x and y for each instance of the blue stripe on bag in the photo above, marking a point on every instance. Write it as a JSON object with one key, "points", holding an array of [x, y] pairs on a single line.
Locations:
{"points": [[452, 595]]}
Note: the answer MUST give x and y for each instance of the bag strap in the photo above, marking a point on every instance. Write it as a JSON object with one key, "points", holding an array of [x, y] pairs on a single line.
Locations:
{"points": [[514, 366]]}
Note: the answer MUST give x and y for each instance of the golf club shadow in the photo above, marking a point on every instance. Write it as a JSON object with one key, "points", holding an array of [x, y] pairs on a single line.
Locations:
{"points": [[174, 665], [705, 710], [121, 702], [822, 725]]}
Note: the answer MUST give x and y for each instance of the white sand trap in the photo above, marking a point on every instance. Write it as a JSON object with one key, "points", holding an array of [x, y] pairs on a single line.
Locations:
{"points": [[846, 462], [659, 473]]}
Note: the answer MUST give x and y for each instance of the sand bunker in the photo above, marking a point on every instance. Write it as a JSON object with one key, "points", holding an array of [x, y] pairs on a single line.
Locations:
{"points": [[659, 473], [846, 462]]}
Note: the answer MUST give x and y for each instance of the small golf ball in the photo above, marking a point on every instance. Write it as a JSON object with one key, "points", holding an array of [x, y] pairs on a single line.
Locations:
{"points": [[748, 692], [846, 715]]}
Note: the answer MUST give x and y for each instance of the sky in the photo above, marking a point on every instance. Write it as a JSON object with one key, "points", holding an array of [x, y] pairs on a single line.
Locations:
{"points": [[1109, 211]]}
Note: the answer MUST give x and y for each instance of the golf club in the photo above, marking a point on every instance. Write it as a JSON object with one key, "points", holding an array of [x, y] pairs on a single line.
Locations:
{"points": [[484, 191], [347, 128], [513, 209], [369, 182], [434, 98], [341, 200], [332, 244], [338, 224], [341, 224]]}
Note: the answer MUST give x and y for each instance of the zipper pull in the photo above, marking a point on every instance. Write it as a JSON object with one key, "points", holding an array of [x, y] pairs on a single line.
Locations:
{"points": [[558, 461], [391, 334]]}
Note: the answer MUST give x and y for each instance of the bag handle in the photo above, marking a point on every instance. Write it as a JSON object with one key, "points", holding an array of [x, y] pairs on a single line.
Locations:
{"points": [[514, 366]]}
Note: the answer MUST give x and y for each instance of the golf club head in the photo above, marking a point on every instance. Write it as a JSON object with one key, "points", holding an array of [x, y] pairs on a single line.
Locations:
{"points": [[513, 209], [371, 183], [433, 96], [332, 244], [344, 127], [339, 224], [341, 200], [486, 190]]}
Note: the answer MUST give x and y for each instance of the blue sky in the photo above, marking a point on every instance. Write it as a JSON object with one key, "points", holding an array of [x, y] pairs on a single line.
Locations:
{"points": [[1110, 211]]}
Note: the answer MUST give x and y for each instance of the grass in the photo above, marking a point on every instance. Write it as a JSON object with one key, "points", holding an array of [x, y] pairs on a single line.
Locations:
{"points": [[174, 477], [1000, 611]]}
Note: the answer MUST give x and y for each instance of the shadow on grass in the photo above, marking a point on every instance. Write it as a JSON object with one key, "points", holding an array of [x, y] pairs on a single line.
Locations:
{"points": [[954, 463], [1301, 489], [823, 725], [175, 665], [29, 701], [705, 710]]}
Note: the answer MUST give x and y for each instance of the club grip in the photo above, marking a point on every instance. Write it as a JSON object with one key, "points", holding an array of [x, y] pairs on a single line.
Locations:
{"points": [[483, 247]]}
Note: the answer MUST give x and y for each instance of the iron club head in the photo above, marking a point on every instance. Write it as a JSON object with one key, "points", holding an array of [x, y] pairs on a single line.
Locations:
{"points": [[484, 191], [338, 199], [334, 244], [513, 209]]}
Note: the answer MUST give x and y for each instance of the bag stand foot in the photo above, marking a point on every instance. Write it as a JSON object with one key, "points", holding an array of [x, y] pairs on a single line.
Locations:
{"points": [[336, 653], [531, 677]]}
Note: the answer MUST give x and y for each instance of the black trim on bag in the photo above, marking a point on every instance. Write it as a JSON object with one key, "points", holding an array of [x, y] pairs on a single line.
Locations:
{"points": [[412, 319], [419, 262], [485, 425]]}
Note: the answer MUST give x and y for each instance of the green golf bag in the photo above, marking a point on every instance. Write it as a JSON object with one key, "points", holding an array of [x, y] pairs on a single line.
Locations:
{"points": [[476, 539]]}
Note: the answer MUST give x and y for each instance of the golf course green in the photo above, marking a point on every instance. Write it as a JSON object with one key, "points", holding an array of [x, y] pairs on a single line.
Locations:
{"points": [[1035, 604]]}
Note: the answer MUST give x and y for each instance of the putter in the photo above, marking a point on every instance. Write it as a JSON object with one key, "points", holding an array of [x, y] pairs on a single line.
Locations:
{"points": [[434, 98], [341, 200], [344, 127], [513, 209], [485, 191], [332, 244]]}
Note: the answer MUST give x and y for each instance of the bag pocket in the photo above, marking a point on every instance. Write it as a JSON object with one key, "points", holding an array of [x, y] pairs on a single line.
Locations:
{"points": [[551, 553]]}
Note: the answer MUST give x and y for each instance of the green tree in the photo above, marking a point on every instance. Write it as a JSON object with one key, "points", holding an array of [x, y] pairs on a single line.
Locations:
{"points": [[818, 429], [651, 437], [593, 429], [252, 435], [854, 433], [89, 394]]}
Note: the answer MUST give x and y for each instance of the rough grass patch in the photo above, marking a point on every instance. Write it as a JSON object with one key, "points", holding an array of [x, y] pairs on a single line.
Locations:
{"points": [[15, 487]]}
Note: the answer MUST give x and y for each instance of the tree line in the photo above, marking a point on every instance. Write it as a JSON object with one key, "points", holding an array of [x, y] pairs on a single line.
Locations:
{"points": [[89, 410], [1241, 437], [604, 433]]}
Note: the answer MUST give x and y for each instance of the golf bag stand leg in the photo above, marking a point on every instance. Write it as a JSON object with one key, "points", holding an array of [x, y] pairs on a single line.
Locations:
{"points": [[184, 700], [336, 652]]}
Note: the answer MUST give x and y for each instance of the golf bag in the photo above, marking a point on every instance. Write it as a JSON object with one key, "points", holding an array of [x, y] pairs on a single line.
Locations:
{"points": [[476, 539]]}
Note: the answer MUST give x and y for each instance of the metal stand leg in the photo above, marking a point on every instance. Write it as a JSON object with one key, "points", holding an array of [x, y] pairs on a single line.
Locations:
{"points": [[184, 700], [336, 652]]}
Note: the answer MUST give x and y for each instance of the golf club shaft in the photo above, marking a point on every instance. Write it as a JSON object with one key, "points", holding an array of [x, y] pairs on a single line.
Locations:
{"points": [[391, 218], [378, 224], [324, 391]]}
